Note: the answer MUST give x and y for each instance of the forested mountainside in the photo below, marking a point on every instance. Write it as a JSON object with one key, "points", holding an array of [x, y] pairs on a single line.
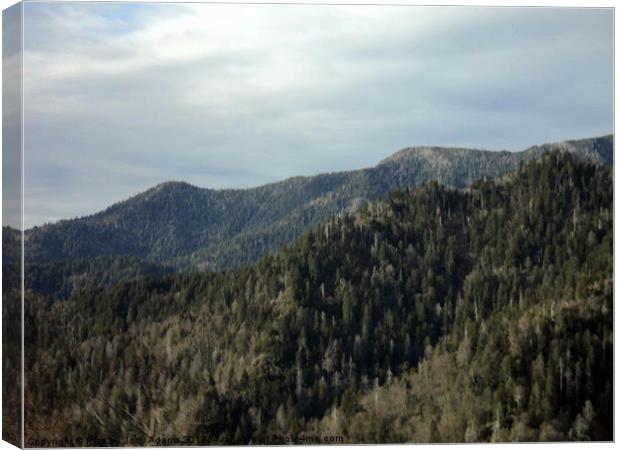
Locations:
{"points": [[60, 279], [192, 228], [434, 315]]}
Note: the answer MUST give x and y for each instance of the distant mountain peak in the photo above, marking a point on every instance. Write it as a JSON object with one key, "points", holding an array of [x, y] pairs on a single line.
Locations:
{"points": [[170, 185], [599, 148], [167, 187], [428, 151]]}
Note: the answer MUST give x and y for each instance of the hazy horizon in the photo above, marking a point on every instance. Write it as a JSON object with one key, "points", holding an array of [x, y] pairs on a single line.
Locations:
{"points": [[122, 97]]}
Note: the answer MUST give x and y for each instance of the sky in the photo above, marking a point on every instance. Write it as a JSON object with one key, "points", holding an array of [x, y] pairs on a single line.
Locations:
{"points": [[119, 97]]}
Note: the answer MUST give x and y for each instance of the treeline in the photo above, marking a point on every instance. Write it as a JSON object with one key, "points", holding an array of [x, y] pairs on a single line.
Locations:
{"points": [[436, 315]]}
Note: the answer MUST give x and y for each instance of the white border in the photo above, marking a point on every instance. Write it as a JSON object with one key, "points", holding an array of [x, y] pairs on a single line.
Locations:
{"points": [[545, 3]]}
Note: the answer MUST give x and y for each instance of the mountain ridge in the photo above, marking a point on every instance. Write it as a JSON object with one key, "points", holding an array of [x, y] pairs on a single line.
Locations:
{"points": [[427, 150], [201, 228]]}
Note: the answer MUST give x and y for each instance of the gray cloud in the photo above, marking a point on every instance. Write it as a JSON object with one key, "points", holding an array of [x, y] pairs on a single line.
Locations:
{"points": [[120, 97], [11, 117]]}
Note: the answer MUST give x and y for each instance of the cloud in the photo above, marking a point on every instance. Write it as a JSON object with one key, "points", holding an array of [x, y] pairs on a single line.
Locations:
{"points": [[120, 97], [11, 118]]}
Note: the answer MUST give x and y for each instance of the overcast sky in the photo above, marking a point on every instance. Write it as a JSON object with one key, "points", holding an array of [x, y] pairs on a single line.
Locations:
{"points": [[120, 97]]}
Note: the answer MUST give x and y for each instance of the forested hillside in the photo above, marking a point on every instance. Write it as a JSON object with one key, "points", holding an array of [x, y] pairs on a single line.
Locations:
{"points": [[434, 315], [192, 228], [60, 279]]}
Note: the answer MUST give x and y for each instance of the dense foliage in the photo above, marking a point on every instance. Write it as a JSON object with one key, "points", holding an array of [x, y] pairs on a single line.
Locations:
{"points": [[12, 326], [191, 228], [60, 279], [435, 315]]}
